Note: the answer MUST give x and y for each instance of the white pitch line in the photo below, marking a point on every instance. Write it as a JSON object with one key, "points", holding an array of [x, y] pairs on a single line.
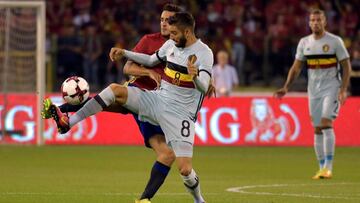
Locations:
{"points": [[243, 189]]}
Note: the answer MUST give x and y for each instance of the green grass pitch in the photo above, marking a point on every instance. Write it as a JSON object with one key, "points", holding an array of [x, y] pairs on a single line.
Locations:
{"points": [[119, 173]]}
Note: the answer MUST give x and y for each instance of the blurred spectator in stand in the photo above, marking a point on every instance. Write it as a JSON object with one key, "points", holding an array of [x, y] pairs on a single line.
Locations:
{"points": [[213, 18], [82, 8], [349, 20], [224, 75], [238, 51], [69, 56], [92, 50], [331, 15], [279, 49], [54, 13], [254, 54], [355, 73]]}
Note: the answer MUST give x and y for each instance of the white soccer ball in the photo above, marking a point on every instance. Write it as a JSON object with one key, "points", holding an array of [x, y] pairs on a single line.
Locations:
{"points": [[75, 90]]}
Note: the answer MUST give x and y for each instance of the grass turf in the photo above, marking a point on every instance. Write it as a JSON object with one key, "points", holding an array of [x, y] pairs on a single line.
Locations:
{"points": [[119, 174]]}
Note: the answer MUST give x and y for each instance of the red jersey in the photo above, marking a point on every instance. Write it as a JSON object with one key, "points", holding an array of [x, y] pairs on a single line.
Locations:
{"points": [[149, 44]]}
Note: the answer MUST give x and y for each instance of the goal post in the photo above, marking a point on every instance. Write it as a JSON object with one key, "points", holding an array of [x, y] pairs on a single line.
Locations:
{"points": [[22, 65]]}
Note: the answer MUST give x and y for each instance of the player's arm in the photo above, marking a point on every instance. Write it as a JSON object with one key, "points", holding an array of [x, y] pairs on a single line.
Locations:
{"points": [[292, 75], [132, 68], [294, 70], [144, 59], [344, 58], [202, 81], [202, 74], [346, 66]]}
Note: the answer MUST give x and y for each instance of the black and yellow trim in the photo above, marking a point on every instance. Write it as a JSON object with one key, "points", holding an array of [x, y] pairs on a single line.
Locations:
{"points": [[176, 67], [177, 75], [321, 61], [320, 56]]}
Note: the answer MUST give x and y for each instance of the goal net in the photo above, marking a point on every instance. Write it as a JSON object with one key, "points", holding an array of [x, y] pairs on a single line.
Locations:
{"points": [[22, 67]]}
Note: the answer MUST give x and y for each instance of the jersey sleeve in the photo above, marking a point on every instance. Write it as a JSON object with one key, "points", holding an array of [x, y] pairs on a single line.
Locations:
{"points": [[340, 50], [300, 51], [206, 62], [161, 53], [205, 69]]}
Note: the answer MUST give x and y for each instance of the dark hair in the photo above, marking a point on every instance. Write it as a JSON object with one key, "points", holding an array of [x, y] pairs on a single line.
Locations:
{"points": [[182, 20], [317, 12], [171, 8]]}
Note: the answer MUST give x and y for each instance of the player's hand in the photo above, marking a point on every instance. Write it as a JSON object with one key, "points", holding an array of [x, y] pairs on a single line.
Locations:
{"points": [[211, 90], [280, 92], [191, 68], [154, 76], [342, 96], [116, 54]]}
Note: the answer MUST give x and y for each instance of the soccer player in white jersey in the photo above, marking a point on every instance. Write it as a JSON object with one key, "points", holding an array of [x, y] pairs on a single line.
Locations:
{"points": [[322, 52], [174, 106]]}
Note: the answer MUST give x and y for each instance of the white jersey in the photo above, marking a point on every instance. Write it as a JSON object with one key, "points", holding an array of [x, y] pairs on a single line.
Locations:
{"points": [[322, 58], [175, 105], [177, 87]]}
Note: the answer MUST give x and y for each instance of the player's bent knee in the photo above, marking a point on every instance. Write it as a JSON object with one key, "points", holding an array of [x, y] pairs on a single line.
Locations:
{"points": [[120, 92], [185, 170]]}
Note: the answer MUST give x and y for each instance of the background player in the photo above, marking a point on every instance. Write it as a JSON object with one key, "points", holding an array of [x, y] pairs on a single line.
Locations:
{"points": [[322, 52]]}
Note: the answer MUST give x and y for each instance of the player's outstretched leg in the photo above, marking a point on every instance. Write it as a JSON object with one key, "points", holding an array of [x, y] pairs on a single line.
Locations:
{"points": [[65, 108], [191, 180], [93, 106], [105, 98]]}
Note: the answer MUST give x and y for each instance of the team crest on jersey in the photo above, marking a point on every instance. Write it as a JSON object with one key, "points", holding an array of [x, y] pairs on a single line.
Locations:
{"points": [[192, 58], [326, 48]]}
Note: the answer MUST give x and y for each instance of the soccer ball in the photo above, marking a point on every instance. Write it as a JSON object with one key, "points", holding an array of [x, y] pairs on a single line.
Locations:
{"points": [[75, 90]]}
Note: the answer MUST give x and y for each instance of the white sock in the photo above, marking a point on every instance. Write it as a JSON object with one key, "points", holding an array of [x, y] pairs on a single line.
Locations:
{"points": [[319, 149], [192, 184], [329, 149], [93, 106]]}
